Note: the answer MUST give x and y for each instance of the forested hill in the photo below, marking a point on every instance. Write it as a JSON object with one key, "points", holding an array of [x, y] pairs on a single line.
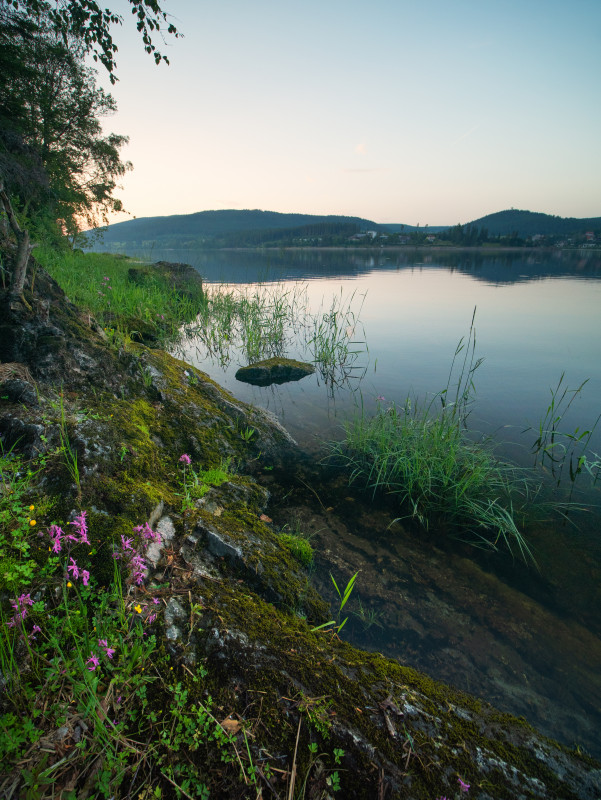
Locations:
{"points": [[224, 226], [254, 228], [529, 223]]}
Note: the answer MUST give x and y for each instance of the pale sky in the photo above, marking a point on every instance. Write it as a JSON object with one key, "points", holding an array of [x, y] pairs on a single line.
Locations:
{"points": [[429, 111]]}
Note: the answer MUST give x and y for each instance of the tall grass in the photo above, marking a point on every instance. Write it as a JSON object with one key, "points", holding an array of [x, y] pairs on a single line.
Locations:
{"points": [[556, 447], [266, 321], [100, 282], [333, 343], [258, 322], [420, 452]]}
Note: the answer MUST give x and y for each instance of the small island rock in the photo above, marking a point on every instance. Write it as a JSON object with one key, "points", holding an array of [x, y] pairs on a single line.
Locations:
{"points": [[274, 370]]}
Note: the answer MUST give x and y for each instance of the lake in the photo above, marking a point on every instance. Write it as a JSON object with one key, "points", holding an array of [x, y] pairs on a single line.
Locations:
{"points": [[526, 639]]}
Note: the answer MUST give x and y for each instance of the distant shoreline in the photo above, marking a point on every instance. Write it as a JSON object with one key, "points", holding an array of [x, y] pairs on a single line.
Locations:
{"points": [[404, 249]]}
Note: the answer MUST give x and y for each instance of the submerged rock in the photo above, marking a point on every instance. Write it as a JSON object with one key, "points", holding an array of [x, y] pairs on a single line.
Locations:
{"points": [[274, 370]]}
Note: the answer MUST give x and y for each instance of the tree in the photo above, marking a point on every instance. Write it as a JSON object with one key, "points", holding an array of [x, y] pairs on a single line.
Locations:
{"points": [[54, 160], [87, 22], [50, 119]]}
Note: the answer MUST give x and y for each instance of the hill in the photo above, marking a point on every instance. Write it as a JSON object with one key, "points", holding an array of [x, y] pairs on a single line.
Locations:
{"points": [[255, 228], [225, 227], [529, 223]]}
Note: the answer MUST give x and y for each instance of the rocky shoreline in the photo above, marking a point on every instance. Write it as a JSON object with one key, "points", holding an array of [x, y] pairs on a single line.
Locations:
{"points": [[237, 607]]}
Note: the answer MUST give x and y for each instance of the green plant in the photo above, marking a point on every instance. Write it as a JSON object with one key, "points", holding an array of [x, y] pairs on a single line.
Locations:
{"points": [[332, 777], [247, 434], [555, 447], [17, 523], [367, 616], [128, 304], [68, 452], [299, 547], [421, 454], [343, 596], [332, 344], [85, 656]]}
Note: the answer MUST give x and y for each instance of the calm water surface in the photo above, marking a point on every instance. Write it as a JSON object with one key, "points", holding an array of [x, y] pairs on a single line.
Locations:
{"points": [[527, 640]]}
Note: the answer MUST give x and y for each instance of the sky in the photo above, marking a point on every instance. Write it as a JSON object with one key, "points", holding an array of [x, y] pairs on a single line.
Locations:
{"points": [[429, 112]]}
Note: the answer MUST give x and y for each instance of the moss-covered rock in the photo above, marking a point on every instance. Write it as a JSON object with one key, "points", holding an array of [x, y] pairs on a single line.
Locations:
{"points": [[274, 370]]}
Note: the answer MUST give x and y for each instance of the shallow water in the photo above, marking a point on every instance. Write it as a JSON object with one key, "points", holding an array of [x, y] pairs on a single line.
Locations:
{"points": [[527, 640]]}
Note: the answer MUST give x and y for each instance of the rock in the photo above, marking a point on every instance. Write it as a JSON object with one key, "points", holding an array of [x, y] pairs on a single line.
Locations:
{"points": [[19, 391], [274, 370]]}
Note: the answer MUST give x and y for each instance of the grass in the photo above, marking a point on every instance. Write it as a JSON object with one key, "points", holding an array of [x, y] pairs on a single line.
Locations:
{"points": [[332, 344], [267, 321], [82, 658], [421, 454], [555, 447], [258, 322], [102, 284]]}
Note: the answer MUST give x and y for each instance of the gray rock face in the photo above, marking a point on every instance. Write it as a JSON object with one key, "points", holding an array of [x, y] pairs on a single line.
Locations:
{"points": [[274, 370]]}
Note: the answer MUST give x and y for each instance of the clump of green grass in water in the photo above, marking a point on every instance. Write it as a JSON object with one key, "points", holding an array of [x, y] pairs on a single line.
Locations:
{"points": [[264, 321], [421, 453], [556, 447], [260, 322], [332, 341]]}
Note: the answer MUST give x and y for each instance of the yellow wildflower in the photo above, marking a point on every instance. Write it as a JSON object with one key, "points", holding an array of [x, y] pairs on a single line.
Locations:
{"points": [[138, 608], [32, 522]]}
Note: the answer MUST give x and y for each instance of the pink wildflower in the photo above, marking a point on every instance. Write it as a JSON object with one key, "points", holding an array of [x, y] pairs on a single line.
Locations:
{"points": [[20, 609], [82, 528], [93, 661], [85, 576], [34, 630], [151, 619], [73, 568], [156, 601], [185, 459], [110, 651], [146, 532], [127, 544], [25, 600], [465, 787], [56, 534]]}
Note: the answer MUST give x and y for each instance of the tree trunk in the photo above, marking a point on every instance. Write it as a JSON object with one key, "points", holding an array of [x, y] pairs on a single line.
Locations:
{"points": [[24, 247]]}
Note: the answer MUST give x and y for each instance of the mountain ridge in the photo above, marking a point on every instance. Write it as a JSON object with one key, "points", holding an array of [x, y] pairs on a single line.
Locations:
{"points": [[231, 226]]}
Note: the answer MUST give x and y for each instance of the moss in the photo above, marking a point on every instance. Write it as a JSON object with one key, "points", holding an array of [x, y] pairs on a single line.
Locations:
{"points": [[299, 547]]}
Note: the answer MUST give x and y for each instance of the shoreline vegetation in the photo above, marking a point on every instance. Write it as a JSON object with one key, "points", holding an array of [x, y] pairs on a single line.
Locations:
{"points": [[160, 638]]}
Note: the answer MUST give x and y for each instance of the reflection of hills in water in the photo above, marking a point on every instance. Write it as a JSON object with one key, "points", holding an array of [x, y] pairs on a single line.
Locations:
{"points": [[251, 266]]}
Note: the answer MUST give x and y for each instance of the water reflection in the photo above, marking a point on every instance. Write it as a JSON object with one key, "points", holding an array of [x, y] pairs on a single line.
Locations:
{"points": [[252, 266]]}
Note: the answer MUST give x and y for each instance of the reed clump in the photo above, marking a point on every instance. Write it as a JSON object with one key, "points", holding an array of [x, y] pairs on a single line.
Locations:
{"points": [[422, 454]]}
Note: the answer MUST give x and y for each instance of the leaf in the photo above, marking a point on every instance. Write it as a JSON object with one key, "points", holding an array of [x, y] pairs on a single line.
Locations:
{"points": [[231, 726]]}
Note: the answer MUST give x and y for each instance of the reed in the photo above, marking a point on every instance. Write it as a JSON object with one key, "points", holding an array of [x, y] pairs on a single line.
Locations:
{"points": [[269, 320], [556, 447], [332, 341], [421, 453]]}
